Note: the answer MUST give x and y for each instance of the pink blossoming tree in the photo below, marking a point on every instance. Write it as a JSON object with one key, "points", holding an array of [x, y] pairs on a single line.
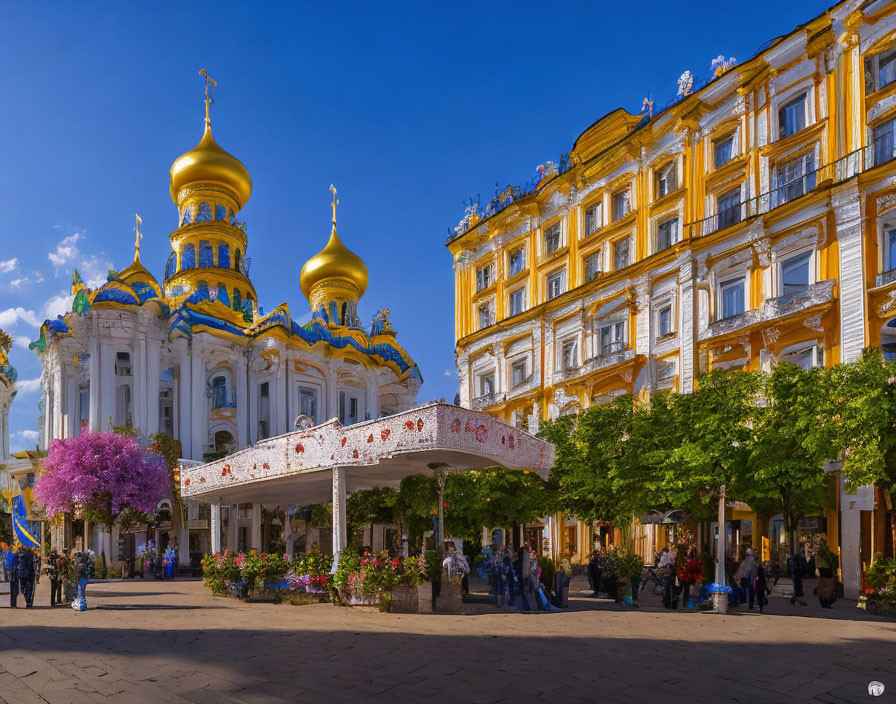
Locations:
{"points": [[102, 475]]}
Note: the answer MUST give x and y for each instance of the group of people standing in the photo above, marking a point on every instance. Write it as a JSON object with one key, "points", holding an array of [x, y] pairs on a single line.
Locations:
{"points": [[68, 575], [515, 579]]}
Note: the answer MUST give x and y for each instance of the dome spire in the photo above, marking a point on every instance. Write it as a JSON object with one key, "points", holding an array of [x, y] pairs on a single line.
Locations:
{"points": [[209, 83], [334, 204], [137, 237]]}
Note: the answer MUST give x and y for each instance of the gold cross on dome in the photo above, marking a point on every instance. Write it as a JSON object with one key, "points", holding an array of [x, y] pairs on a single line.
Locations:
{"points": [[209, 83], [138, 236], [335, 201]]}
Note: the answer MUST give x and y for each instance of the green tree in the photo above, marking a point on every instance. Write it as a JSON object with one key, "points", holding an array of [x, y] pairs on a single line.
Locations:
{"points": [[418, 496], [369, 506], [791, 439]]}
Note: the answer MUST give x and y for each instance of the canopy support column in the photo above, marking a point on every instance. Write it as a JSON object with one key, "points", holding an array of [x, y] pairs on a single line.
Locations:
{"points": [[233, 532], [439, 471], [340, 539], [215, 525], [255, 540]]}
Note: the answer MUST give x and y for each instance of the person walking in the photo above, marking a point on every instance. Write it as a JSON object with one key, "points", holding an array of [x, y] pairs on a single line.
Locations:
{"points": [[54, 574], [762, 588], [595, 570], [746, 575], [825, 565], [26, 574], [798, 566], [688, 575], [11, 565]]}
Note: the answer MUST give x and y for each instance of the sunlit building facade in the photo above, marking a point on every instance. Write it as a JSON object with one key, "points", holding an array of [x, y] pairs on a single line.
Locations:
{"points": [[752, 220]]}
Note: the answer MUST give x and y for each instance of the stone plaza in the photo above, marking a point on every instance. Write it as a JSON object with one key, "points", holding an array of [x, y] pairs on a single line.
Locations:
{"points": [[152, 641]]}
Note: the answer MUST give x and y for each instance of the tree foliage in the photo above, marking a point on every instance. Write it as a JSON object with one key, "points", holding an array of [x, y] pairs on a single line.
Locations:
{"points": [[101, 474]]}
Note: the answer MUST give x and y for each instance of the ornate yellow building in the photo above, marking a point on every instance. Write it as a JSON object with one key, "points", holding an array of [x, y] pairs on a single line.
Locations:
{"points": [[751, 220]]}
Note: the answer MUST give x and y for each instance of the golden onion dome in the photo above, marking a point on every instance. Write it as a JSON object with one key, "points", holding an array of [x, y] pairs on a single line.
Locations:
{"points": [[208, 163], [334, 262]]}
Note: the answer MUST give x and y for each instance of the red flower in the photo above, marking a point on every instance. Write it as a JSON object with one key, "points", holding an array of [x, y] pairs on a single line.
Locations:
{"points": [[409, 425], [266, 465], [385, 433], [355, 454], [187, 481], [370, 438], [419, 425], [300, 448], [343, 441], [395, 563]]}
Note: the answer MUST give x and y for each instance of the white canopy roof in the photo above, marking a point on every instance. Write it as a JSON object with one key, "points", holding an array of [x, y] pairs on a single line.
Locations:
{"points": [[296, 468]]}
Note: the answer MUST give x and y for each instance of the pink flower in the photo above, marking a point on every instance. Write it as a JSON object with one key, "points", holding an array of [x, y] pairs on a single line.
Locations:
{"points": [[376, 561], [395, 563]]}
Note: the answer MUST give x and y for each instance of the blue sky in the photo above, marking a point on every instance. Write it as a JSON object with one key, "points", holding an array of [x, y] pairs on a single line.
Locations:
{"points": [[407, 107]]}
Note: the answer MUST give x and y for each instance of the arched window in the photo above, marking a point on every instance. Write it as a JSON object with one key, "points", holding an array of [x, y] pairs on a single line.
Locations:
{"points": [[205, 213], [223, 255], [188, 257], [203, 289], [222, 295], [171, 265], [334, 316], [237, 260], [205, 254], [237, 301], [219, 392], [220, 212], [187, 215]]}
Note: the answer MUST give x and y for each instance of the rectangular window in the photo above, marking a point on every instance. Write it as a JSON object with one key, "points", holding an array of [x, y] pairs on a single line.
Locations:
{"points": [[84, 410], [621, 204], [666, 179], [666, 234], [732, 295], [264, 410], [723, 150], [518, 373], [880, 70], [555, 284], [483, 277], [795, 178], [664, 321], [884, 145], [517, 301], [485, 316], [308, 403], [517, 261], [219, 393], [123, 364], [621, 254], [552, 239], [166, 412], [486, 384], [612, 338], [795, 274], [348, 409], [891, 249], [792, 117], [592, 266], [593, 219], [568, 355], [728, 208]]}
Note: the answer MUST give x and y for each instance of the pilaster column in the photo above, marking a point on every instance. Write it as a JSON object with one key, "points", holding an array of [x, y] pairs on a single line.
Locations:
{"points": [[255, 532], [153, 384], [686, 328], [72, 404], [340, 539], [242, 402], [214, 523], [93, 422], [848, 216], [199, 405], [138, 396], [184, 407], [252, 405], [292, 395], [107, 387], [59, 389], [279, 415], [332, 392]]}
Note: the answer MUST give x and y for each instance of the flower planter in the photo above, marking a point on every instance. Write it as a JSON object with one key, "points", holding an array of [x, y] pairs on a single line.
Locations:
{"points": [[624, 591], [411, 600], [450, 598], [877, 607]]}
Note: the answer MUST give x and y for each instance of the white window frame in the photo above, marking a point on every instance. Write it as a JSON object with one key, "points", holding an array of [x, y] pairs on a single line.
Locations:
{"points": [[732, 137], [597, 208], [480, 383], [674, 238], [597, 253], [808, 94], [487, 277], [628, 209], [544, 238], [875, 60], [510, 295], [885, 227], [786, 257], [525, 264], [573, 362], [559, 274], [491, 314], [661, 175], [659, 317], [514, 367], [622, 240], [726, 281], [618, 337]]}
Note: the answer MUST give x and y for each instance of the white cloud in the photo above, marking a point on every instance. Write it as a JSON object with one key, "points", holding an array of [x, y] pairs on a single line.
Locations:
{"points": [[28, 385], [60, 304], [38, 277], [28, 435], [9, 266], [66, 251], [450, 372], [15, 283], [94, 270], [22, 341], [12, 316]]}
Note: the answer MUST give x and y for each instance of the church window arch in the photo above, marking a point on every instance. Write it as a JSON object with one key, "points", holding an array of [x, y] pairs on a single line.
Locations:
{"points": [[202, 287], [223, 255], [187, 215], [205, 254], [220, 388], [222, 295], [220, 212], [188, 257], [171, 265], [205, 212]]}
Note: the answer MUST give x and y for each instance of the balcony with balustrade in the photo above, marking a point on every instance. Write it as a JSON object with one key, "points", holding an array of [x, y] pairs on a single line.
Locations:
{"points": [[798, 301], [480, 403]]}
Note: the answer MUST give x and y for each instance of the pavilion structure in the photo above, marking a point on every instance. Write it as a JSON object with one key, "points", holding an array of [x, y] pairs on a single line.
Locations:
{"points": [[330, 460]]}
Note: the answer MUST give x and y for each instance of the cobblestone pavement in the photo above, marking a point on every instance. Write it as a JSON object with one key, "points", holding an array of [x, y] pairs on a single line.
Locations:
{"points": [[148, 641]]}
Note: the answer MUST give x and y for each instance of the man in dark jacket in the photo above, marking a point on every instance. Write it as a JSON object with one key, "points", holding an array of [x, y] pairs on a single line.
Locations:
{"points": [[26, 574], [799, 566], [11, 565]]}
